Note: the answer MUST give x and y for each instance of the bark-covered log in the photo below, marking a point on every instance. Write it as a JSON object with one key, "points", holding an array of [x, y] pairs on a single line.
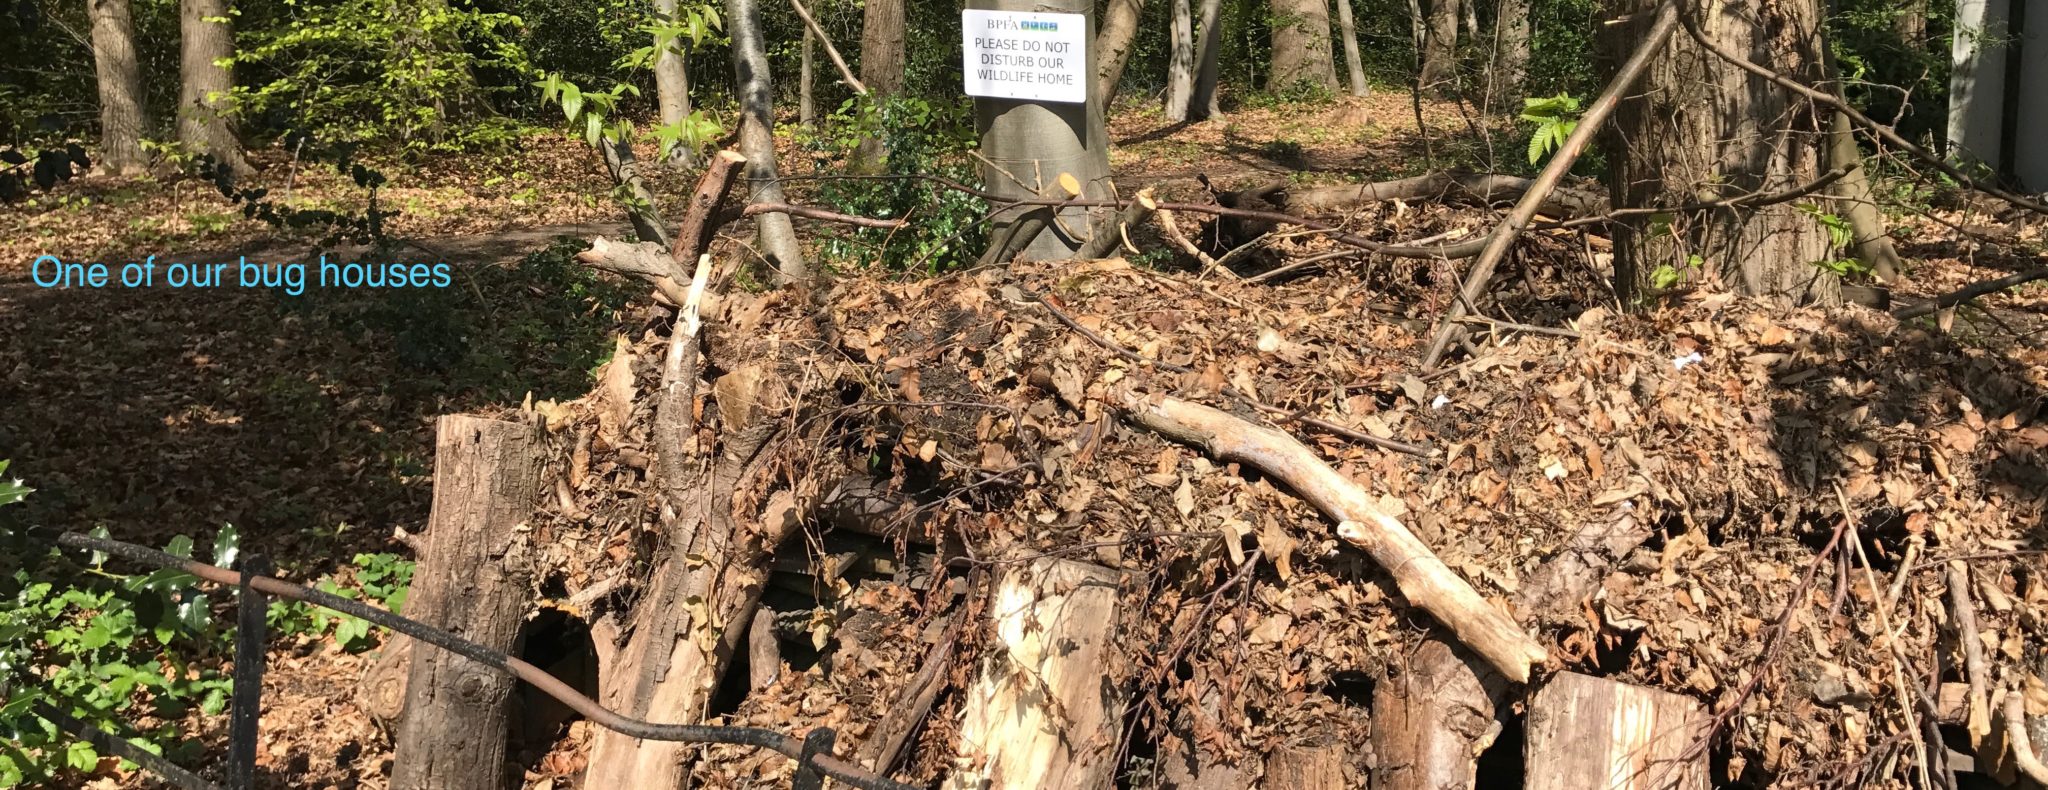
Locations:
{"points": [[1590, 732], [1048, 706], [1431, 717], [473, 579], [1324, 767], [1112, 236], [1476, 188]]}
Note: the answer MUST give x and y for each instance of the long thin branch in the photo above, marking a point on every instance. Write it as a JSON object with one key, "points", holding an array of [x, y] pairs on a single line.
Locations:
{"points": [[1503, 237], [832, 52], [2016, 734], [838, 768], [1971, 291]]}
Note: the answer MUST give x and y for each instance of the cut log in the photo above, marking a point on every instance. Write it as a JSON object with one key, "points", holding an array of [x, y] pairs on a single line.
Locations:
{"points": [[1309, 768], [1422, 578], [1471, 188], [1589, 732], [1047, 707], [473, 579], [1117, 234], [1431, 718]]}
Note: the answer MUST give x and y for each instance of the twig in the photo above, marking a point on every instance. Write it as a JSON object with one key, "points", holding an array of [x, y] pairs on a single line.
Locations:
{"points": [[1884, 624], [838, 768], [1503, 237], [832, 52], [1975, 670], [1971, 291], [1171, 230], [1510, 325]]}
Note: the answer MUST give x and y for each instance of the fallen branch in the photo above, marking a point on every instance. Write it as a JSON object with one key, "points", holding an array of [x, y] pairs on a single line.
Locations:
{"points": [[1423, 578], [1479, 188], [1968, 292], [2023, 754], [845, 74], [1503, 237], [1106, 240]]}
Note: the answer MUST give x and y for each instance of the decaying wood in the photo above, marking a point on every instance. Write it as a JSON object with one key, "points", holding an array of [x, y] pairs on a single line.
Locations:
{"points": [[1109, 238], [693, 236], [1309, 768], [1422, 578], [1046, 710], [2023, 755], [472, 579], [764, 655], [1480, 188], [885, 746], [1977, 713], [1590, 732], [1431, 717]]}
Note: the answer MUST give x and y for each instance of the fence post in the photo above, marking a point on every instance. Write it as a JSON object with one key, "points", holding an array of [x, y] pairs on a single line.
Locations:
{"points": [[251, 623]]}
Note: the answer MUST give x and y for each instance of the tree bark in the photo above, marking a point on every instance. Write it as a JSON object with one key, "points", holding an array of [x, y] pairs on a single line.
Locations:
{"points": [[1203, 104], [1027, 146], [672, 83], [776, 234], [1589, 732], [1439, 73], [881, 69], [1698, 128], [1301, 45], [1353, 66], [206, 38], [122, 116], [1180, 64], [1119, 35], [1309, 768], [1043, 714], [806, 103], [473, 580], [1511, 58]]}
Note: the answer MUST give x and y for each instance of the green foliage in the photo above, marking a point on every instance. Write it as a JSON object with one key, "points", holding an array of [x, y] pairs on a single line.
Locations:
{"points": [[1555, 118], [946, 229], [112, 651], [381, 578], [1840, 235], [418, 76], [11, 491]]}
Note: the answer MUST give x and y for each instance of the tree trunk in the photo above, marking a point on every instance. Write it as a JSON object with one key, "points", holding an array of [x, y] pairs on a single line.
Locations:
{"points": [[1911, 23], [806, 103], [1119, 35], [206, 38], [474, 580], [777, 236], [1699, 129], [122, 118], [1301, 45], [1180, 64], [1203, 105], [672, 83], [1353, 66], [1511, 58], [881, 69], [1440, 47], [643, 212], [1027, 146]]}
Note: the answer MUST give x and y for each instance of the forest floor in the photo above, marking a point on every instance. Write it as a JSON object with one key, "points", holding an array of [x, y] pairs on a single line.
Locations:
{"points": [[307, 421]]}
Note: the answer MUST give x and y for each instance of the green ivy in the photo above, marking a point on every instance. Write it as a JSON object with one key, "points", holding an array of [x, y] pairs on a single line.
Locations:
{"points": [[946, 229]]}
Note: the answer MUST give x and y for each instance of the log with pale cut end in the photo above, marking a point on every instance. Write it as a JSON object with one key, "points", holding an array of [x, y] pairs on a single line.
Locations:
{"points": [[1423, 578], [1431, 717], [1117, 234], [474, 578], [1590, 732], [1047, 708]]}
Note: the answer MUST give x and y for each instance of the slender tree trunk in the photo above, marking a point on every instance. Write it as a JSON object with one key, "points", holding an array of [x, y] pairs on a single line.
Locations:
{"points": [[1113, 44], [1353, 66], [777, 236], [672, 83], [1028, 145], [806, 103], [1180, 65], [1301, 45], [206, 39], [122, 118], [1699, 128], [1911, 23], [1511, 59], [881, 68], [1440, 47], [1208, 48]]}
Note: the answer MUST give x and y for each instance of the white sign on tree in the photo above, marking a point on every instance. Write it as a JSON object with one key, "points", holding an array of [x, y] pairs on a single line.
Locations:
{"points": [[1026, 55]]}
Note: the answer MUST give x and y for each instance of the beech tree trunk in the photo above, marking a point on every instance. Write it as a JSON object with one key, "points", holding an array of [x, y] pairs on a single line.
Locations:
{"points": [[1203, 104], [672, 83], [1511, 56], [1440, 47], [206, 38], [1699, 129], [1027, 146], [1180, 64], [881, 69], [776, 234], [1113, 44], [806, 103], [1353, 66], [122, 117], [1301, 45], [474, 580]]}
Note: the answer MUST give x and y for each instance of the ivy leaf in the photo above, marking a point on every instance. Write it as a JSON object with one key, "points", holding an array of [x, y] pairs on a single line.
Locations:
{"points": [[227, 546]]}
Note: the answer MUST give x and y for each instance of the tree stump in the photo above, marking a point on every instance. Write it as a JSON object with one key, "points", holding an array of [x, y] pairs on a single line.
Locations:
{"points": [[473, 580], [1589, 732], [1045, 711]]}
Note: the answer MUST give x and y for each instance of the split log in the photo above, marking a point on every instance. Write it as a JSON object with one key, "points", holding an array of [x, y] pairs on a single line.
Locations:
{"points": [[1107, 239], [1422, 578], [1589, 732], [1047, 708], [1431, 718], [1309, 768], [1476, 188], [473, 579]]}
